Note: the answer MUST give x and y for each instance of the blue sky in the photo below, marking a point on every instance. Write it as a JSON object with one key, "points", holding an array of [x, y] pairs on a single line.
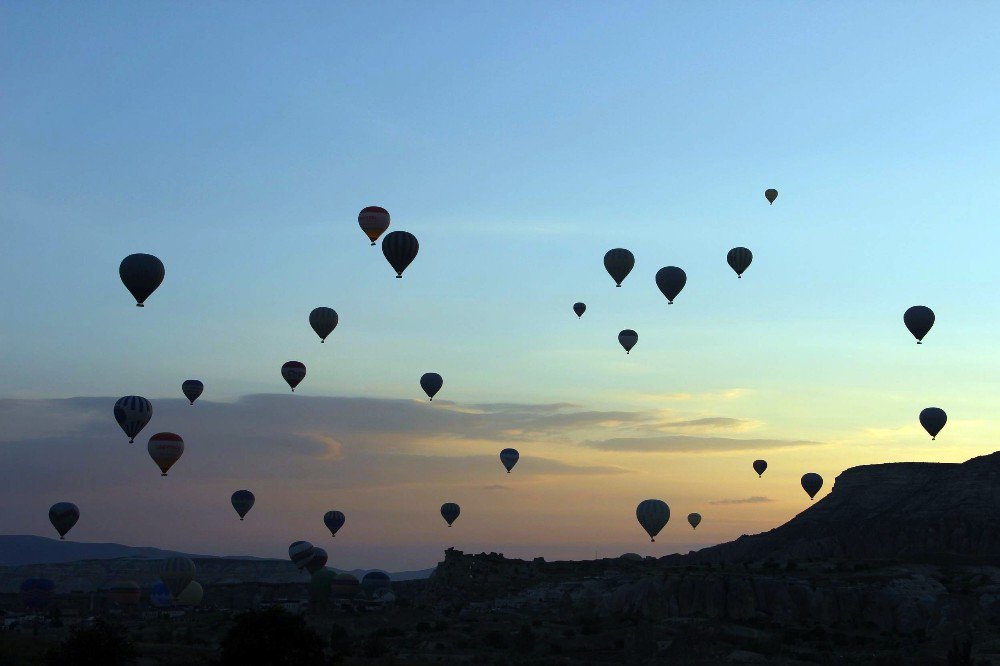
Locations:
{"points": [[518, 142]]}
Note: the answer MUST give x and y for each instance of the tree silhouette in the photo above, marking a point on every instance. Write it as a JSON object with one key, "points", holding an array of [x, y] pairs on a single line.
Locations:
{"points": [[274, 637], [102, 644]]}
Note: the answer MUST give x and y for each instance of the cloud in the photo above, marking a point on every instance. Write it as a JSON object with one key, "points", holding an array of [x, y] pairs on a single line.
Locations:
{"points": [[709, 423], [691, 443], [496, 486], [756, 499]]}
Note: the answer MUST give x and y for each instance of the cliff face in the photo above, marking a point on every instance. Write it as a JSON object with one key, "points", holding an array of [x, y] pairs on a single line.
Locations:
{"points": [[902, 511]]}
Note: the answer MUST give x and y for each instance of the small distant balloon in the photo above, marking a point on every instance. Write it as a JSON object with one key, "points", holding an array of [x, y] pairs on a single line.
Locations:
{"points": [[323, 321], [192, 388], [933, 419], [670, 280], [431, 383], [759, 466], [63, 516], [652, 514], [141, 274], [811, 483], [579, 309], [242, 501], [400, 249], [300, 552], [919, 320], [373, 220], [165, 448], [133, 413], [628, 339], [694, 519], [293, 372], [334, 520], [618, 263], [739, 259], [771, 194], [317, 561], [450, 511], [509, 458]]}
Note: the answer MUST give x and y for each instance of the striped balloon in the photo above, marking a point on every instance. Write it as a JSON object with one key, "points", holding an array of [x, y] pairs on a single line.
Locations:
{"points": [[165, 448], [739, 259], [400, 249], [300, 552], [628, 339], [323, 321], [652, 514], [670, 280], [242, 501], [177, 573], [192, 388], [450, 511], [618, 263], [141, 274], [293, 372], [694, 519], [317, 561], [133, 413], [63, 516], [509, 458], [334, 520], [373, 220]]}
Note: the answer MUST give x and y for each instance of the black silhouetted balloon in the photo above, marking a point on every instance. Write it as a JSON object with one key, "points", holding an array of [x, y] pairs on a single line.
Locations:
{"points": [[192, 388], [739, 259], [293, 372], [759, 466], [400, 249], [627, 339], [374, 220], [670, 281], [141, 275], [242, 501], [618, 262], [323, 321], [933, 419], [919, 320], [431, 383], [450, 511], [771, 194], [579, 309], [334, 520], [63, 516], [811, 483]]}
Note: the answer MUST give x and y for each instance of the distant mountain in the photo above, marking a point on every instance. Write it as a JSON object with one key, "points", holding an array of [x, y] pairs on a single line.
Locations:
{"points": [[899, 511], [20, 549]]}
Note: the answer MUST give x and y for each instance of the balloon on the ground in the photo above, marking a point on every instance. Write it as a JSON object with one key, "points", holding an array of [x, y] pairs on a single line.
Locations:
{"points": [[933, 419], [293, 372], [509, 458], [63, 516], [165, 448], [133, 413], [192, 388], [770, 194], [450, 511], [373, 220], [579, 309], [242, 501], [177, 573], [739, 259], [124, 592], [652, 514], [670, 280], [431, 383], [323, 320], [317, 561], [694, 519], [375, 581], [334, 520], [191, 595], [811, 483], [618, 263], [300, 552], [400, 249], [141, 274], [919, 320], [159, 595], [759, 466], [628, 339]]}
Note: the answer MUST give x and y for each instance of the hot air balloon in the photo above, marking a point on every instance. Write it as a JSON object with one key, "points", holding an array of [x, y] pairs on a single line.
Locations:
{"points": [[627, 339], [317, 561], [133, 413], [579, 309], [293, 372], [694, 519], [919, 320], [618, 263], [739, 259], [334, 520], [509, 458], [811, 483], [319, 585], [124, 592], [431, 383], [300, 553], [771, 194], [191, 595], [374, 582], [141, 274], [323, 321], [759, 466], [450, 511], [192, 388], [933, 419], [400, 249], [242, 501], [344, 586], [177, 573], [670, 280], [373, 220], [652, 514], [165, 448], [63, 516], [159, 596]]}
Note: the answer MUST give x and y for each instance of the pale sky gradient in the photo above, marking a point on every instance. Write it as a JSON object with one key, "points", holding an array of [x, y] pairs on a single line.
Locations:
{"points": [[519, 142]]}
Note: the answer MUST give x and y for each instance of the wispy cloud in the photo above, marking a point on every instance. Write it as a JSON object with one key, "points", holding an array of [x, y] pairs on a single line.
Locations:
{"points": [[756, 499], [692, 443]]}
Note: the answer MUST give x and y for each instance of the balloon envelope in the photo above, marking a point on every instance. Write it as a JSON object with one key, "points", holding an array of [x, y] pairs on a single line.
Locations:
{"points": [[192, 388], [579, 309], [160, 596], [323, 320], [450, 511], [652, 514], [141, 275], [124, 592], [165, 448], [694, 519], [628, 339], [373, 220], [431, 383], [177, 573], [919, 320], [293, 372], [334, 520], [670, 280], [374, 581], [400, 249], [811, 483], [300, 553], [771, 194], [242, 501], [133, 413], [739, 259], [191, 595], [509, 458], [618, 263], [317, 561], [933, 419], [759, 466], [63, 516]]}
